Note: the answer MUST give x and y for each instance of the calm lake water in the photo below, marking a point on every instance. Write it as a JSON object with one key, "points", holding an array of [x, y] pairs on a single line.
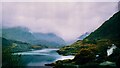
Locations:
{"points": [[41, 57]]}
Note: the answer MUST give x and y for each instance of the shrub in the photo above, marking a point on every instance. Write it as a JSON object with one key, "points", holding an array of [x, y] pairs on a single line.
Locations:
{"points": [[84, 56]]}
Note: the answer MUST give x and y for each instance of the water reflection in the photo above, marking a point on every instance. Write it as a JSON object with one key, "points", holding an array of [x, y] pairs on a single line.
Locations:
{"points": [[41, 57]]}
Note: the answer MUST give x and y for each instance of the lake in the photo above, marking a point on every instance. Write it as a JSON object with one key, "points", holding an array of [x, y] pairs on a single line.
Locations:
{"points": [[41, 57]]}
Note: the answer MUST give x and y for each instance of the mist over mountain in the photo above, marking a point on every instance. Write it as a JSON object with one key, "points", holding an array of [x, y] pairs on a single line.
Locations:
{"points": [[23, 34], [83, 36], [97, 43], [49, 37], [18, 33], [67, 20], [107, 34], [36, 31]]}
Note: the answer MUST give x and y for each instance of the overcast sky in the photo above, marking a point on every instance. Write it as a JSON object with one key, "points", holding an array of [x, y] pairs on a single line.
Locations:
{"points": [[67, 20]]}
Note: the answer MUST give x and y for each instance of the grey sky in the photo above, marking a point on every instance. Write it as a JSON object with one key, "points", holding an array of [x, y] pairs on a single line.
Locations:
{"points": [[67, 20], [59, 0]]}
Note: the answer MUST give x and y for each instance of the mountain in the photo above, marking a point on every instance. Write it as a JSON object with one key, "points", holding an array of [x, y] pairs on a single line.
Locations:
{"points": [[22, 34], [51, 38], [83, 36], [15, 46], [18, 34], [110, 29], [107, 34], [92, 51]]}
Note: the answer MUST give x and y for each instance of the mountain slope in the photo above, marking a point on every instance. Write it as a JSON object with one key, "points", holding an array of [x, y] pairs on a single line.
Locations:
{"points": [[22, 34], [107, 34], [108, 30], [15, 46], [49, 37], [18, 34], [93, 50], [83, 36]]}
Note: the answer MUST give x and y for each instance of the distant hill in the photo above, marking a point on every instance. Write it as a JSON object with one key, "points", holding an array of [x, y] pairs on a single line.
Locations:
{"points": [[22, 34], [15, 46], [18, 34], [50, 38], [83, 36]]}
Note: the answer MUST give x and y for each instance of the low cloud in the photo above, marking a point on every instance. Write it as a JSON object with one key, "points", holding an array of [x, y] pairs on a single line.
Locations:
{"points": [[67, 20]]}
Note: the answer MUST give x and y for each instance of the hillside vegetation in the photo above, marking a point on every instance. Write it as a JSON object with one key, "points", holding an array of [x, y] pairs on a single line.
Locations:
{"points": [[92, 51]]}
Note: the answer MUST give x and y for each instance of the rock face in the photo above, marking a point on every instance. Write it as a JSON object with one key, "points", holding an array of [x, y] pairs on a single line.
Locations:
{"points": [[110, 51]]}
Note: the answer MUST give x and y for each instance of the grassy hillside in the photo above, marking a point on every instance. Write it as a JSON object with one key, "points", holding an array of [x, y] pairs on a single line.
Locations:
{"points": [[74, 48], [18, 46], [110, 29], [92, 51], [108, 33]]}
